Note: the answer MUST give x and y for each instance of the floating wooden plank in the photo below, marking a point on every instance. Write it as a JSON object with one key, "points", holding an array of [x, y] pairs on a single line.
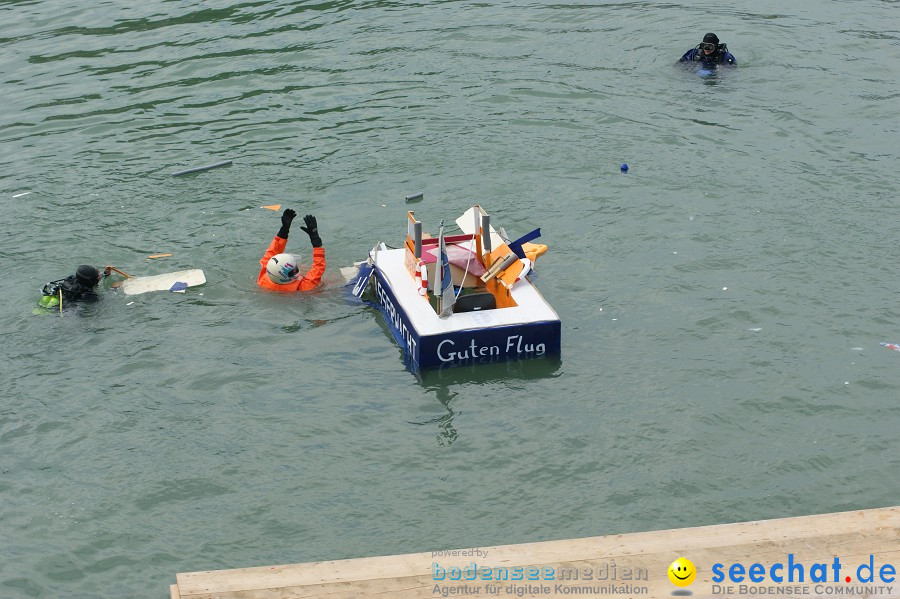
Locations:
{"points": [[200, 169], [170, 281], [853, 537]]}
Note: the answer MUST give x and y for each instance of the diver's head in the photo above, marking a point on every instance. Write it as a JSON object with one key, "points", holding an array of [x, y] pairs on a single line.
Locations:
{"points": [[710, 44], [87, 276], [283, 268]]}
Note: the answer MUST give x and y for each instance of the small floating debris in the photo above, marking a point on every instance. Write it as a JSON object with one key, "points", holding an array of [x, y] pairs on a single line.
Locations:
{"points": [[154, 256], [19, 195], [178, 287], [200, 169], [416, 197], [273, 207], [893, 346], [755, 330]]}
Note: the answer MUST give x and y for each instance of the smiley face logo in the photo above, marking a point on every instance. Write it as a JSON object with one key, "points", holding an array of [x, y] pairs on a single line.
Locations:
{"points": [[682, 572]]}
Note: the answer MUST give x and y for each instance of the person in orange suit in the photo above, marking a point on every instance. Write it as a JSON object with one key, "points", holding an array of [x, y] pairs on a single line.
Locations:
{"points": [[280, 271]]}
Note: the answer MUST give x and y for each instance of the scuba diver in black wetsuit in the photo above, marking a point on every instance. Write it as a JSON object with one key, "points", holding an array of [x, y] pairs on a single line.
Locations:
{"points": [[710, 53], [80, 287]]}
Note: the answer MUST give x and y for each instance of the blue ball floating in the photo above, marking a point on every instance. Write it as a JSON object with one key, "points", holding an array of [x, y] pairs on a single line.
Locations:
{"points": [[624, 167]]}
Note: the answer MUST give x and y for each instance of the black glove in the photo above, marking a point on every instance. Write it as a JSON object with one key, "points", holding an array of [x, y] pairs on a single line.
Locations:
{"points": [[286, 219], [312, 229]]}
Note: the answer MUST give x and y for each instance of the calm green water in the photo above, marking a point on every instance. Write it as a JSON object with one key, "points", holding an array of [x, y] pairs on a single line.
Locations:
{"points": [[722, 303]]}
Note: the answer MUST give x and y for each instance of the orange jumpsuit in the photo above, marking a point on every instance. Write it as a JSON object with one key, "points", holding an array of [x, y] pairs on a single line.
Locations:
{"points": [[308, 281]]}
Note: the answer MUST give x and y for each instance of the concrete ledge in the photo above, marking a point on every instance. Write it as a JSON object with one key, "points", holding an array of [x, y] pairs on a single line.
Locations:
{"points": [[625, 565]]}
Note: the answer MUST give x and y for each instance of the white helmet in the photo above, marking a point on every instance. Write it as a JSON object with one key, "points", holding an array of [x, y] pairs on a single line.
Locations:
{"points": [[283, 268]]}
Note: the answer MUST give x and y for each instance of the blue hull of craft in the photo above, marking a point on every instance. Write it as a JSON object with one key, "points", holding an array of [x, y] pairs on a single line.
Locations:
{"points": [[468, 346]]}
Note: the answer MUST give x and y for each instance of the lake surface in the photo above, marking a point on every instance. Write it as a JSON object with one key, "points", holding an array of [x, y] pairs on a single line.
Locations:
{"points": [[722, 303]]}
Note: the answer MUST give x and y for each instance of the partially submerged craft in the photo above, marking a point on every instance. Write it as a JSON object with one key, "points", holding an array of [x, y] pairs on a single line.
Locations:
{"points": [[499, 314]]}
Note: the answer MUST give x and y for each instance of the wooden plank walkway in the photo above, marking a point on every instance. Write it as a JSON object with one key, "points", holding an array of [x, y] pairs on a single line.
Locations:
{"points": [[624, 565]]}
